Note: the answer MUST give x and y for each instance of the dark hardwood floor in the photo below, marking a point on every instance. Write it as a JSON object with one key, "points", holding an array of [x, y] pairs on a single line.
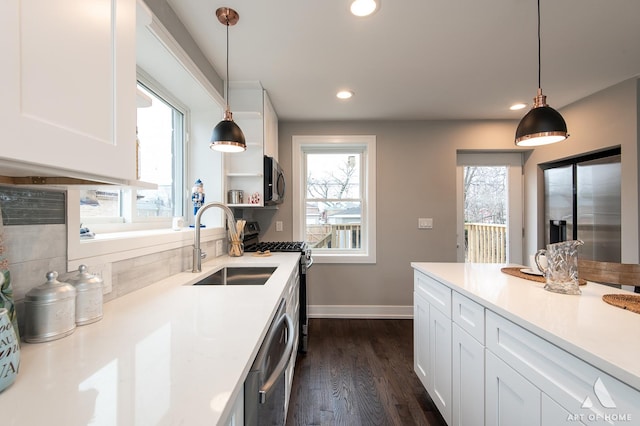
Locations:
{"points": [[359, 372]]}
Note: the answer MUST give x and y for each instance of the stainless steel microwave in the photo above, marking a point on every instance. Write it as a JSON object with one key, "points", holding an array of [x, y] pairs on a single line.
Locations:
{"points": [[274, 185]]}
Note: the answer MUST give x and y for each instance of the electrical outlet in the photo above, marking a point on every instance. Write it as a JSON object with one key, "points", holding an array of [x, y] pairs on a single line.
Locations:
{"points": [[278, 225], [103, 271], [425, 223], [218, 248]]}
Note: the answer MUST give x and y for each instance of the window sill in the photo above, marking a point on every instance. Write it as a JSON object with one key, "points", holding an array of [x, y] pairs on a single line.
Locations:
{"points": [[113, 247], [343, 258]]}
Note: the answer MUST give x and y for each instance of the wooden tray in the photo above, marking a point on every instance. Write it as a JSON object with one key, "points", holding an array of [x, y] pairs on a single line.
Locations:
{"points": [[625, 301], [515, 271]]}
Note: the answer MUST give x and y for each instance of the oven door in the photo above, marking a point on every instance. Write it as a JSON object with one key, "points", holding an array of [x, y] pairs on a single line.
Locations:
{"points": [[264, 388]]}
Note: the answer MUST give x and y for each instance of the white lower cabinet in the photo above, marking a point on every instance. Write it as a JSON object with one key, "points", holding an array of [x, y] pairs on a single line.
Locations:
{"points": [[440, 362], [553, 413], [468, 379], [510, 399], [481, 368], [421, 338], [432, 349]]}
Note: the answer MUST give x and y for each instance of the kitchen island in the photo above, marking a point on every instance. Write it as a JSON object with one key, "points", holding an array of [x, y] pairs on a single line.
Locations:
{"points": [[493, 346], [168, 354]]}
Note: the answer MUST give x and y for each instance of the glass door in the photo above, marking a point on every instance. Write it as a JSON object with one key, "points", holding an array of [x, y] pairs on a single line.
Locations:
{"points": [[489, 208]]}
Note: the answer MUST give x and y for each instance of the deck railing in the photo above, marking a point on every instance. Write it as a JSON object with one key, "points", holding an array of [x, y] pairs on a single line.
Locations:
{"points": [[485, 243], [342, 235]]}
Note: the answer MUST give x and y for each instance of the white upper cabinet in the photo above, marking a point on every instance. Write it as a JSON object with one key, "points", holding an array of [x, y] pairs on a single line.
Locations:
{"points": [[68, 82], [254, 114]]}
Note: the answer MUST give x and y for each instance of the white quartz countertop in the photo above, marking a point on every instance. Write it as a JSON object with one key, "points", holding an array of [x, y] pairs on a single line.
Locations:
{"points": [[603, 335], [168, 354]]}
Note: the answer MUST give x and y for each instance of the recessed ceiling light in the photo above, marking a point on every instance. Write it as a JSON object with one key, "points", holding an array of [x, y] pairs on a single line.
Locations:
{"points": [[364, 7], [344, 94], [516, 107]]}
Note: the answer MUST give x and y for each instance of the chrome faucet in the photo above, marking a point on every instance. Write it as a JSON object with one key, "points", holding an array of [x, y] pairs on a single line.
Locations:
{"points": [[198, 255]]}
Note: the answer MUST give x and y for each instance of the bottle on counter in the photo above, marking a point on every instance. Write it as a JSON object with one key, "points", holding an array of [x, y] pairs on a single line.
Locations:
{"points": [[9, 351]]}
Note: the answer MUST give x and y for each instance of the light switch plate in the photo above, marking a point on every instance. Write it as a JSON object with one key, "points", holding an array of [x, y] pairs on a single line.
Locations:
{"points": [[218, 248], [278, 225], [425, 223], [103, 271]]}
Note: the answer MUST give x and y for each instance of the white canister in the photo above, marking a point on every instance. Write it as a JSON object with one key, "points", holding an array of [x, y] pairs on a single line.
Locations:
{"points": [[88, 296], [9, 351], [50, 310]]}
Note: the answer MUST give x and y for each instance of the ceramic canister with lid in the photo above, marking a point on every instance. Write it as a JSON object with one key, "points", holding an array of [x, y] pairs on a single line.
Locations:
{"points": [[88, 296], [50, 310]]}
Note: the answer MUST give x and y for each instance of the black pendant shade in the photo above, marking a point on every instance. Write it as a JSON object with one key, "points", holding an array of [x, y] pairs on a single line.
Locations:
{"points": [[541, 126], [227, 136]]}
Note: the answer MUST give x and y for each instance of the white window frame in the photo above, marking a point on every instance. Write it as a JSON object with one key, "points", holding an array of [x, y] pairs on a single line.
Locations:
{"points": [[336, 143], [129, 220]]}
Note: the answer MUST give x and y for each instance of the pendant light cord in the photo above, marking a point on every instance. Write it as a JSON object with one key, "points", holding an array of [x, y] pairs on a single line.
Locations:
{"points": [[539, 51], [228, 56]]}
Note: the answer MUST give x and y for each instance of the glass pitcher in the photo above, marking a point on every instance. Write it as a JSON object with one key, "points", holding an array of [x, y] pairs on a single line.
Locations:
{"points": [[561, 270]]}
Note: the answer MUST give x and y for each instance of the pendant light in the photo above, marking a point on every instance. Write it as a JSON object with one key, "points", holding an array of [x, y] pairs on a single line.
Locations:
{"points": [[542, 125], [227, 135]]}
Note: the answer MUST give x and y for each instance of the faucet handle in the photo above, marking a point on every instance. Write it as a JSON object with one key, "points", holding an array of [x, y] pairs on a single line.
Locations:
{"points": [[203, 255]]}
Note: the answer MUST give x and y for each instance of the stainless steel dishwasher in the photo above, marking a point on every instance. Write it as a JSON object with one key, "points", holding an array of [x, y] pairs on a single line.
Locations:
{"points": [[264, 388]]}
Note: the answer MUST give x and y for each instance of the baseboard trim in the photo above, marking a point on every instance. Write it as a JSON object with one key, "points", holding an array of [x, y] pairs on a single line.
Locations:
{"points": [[361, 311]]}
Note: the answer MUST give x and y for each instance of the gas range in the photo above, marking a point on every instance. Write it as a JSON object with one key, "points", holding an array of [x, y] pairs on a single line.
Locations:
{"points": [[253, 244], [278, 246]]}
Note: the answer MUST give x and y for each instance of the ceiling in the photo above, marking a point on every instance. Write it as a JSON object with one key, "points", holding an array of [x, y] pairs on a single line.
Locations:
{"points": [[419, 59]]}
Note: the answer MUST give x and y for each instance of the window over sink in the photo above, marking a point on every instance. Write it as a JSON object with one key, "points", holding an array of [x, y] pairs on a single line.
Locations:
{"points": [[160, 141]]}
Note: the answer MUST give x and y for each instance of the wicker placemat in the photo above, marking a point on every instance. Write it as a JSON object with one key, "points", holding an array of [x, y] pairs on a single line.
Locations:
{"points": [[516, 272], [625, 301]]}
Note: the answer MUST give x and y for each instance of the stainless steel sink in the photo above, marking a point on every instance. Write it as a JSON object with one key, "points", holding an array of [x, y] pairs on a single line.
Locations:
{"points": [[239, 275]]}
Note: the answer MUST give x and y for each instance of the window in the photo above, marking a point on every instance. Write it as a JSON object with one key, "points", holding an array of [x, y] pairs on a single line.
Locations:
{"points": [[334, 196], [160, 128]]}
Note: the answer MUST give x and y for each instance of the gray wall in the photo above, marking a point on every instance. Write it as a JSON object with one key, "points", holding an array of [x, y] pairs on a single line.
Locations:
{"points": [[416, 177], [416, 164]]}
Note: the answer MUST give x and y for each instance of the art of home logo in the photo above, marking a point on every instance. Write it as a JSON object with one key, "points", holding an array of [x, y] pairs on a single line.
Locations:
{"points": [[605, 400]]}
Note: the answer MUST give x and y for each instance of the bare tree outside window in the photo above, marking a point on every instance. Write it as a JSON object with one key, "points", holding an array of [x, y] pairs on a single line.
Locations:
{"points": [[484, 194], [334, 200], [485, 213]]}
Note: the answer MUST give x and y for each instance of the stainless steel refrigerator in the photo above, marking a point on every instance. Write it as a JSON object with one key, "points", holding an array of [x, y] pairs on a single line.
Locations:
{"points": [[582, 201]]}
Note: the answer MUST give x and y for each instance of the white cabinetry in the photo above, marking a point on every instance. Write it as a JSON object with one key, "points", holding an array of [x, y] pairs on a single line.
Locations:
{"points": [[433, 353], [573, 389], [68, 84], [510, 398], [505, 374], [253, 112], [468, 361]]}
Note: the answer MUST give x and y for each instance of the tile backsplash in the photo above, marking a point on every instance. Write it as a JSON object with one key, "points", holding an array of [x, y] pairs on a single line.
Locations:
{"points": [[33, 249]]}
